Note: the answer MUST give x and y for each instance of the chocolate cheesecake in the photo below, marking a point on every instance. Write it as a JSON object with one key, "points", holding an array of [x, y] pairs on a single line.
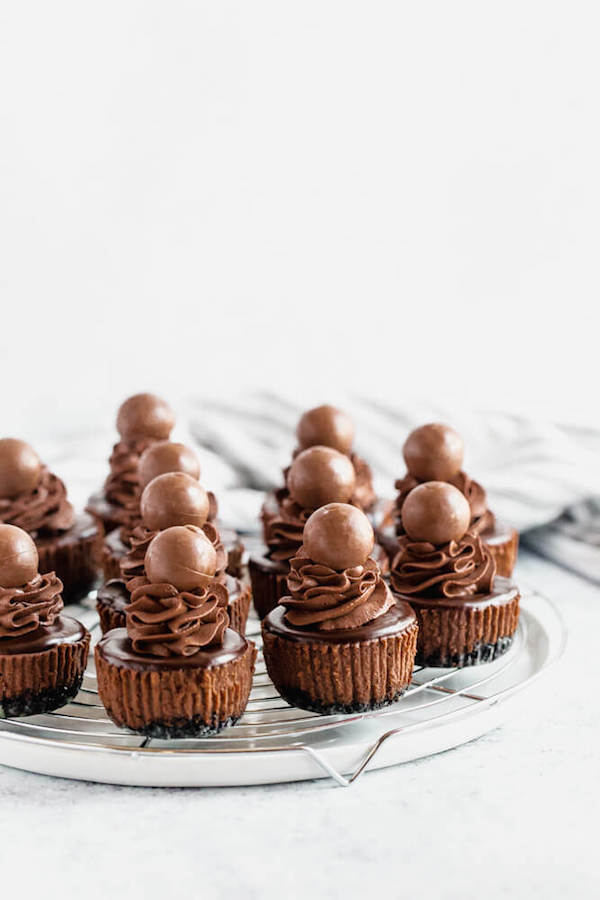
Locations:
{"points": [[435, 452], [467, 615], [176, 669], [35, 499], [338, 642], [43, 654]]}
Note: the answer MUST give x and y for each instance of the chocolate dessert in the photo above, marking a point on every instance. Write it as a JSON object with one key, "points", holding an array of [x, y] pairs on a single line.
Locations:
{"points": [[338, 641], [317, 476], [173, 498], [435, 453], [161, 458], [42, 653], [446, 572], [176, 670], [142, 420], [34, 499], [326, 426]]}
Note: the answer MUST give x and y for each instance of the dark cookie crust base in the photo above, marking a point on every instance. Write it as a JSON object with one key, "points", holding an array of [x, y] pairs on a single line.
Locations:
{"points": [[32, 704], [304, 700], [481, 653], [184, 728]]}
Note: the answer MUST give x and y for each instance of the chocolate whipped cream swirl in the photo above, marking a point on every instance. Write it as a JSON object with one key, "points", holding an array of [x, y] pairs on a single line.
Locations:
{"points": [[133, 572], [26, 608], [326, 600], [482, 519], [132, 564], [162, 621], [121, 486], [458, 569], [284, 531], [44, 509]]}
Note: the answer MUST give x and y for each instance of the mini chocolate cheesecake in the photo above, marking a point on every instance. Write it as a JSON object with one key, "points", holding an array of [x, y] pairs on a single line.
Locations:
{"points": [[317, 476], [176, 670], [435, 453], [161, 458], [34, 499], [466, 614], [142, 420], [43, 654], [173, 498], [326, 426], [337, 641]]}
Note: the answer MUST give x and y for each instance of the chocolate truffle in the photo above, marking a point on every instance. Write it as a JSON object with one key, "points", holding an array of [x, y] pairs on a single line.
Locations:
{"points": [[321, 475], [326, 426], [436, 512], [167, 456], [173, 499], [433, 452], [176, 556], [20, 468], [339, 536], [145, 416], [18, 557]]}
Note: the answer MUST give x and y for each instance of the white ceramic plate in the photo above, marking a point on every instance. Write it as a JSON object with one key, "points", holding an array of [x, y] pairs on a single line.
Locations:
{"points": [[274, 742]]}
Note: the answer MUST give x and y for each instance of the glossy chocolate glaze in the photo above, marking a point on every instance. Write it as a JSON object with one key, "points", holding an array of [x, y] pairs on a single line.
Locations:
{"points": [[64, 631], [110, 514], [83, 528], [396, 619], [504, 592], [114, 544], [116, 649], [270, 566]]}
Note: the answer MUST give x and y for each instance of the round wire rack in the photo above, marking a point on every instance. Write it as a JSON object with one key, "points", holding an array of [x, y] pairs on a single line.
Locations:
{"points": [[274, 741]]}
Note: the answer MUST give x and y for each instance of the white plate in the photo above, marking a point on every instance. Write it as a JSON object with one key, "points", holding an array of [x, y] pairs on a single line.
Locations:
{"points": [[274, 742]]}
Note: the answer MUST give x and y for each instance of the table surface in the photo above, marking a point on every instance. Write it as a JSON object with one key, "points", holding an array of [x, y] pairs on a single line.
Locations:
{"points": [[510, 814]]}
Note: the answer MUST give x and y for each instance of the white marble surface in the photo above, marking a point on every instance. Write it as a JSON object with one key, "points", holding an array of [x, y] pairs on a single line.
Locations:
{"points": [[509, 815]]}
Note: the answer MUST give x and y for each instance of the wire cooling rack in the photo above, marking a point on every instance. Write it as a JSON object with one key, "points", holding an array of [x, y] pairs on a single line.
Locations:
{"points": [[274, 741]]}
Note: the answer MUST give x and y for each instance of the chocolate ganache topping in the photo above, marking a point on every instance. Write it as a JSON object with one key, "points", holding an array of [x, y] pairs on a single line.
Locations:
{"points": [[438, 558], [25, 609], [333, 583], [180, 607], [43, 509]]}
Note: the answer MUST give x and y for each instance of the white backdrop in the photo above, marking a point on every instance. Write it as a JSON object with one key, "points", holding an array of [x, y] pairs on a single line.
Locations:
{"points": [[400, 198]]}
